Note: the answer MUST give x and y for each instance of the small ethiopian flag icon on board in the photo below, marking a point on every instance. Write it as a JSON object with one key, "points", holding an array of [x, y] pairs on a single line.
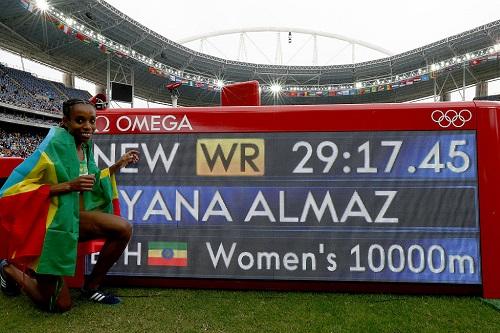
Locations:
{"points": [[167, 254]]}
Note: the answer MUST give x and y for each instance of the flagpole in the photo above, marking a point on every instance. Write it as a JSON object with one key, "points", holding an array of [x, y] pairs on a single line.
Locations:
{"points": [[435, 84], [108, 79], [463, 82], [133, 84]]}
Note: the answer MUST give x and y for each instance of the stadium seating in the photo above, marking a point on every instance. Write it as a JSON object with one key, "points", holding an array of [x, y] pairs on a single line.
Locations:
{"points": [[22, 89], [19, 142]]}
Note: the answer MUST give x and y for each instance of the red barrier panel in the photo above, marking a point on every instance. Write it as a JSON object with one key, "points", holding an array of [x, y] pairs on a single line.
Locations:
{"points": [[446, 161], [241, 94], [488, 142]]}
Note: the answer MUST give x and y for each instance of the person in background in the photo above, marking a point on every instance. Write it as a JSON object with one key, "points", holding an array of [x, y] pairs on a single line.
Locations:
{"points": [[54, 199]]}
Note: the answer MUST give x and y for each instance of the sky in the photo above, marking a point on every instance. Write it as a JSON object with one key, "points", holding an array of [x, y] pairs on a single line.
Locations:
{"points": [[396, 25]]}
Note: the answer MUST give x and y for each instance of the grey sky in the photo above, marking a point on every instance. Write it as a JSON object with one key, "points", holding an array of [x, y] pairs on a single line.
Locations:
{"points": [[396, 25]]}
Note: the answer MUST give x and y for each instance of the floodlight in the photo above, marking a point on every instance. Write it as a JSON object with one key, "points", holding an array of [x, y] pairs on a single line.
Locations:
{"points": [[42, 5], [220, 83], [275, 88]]}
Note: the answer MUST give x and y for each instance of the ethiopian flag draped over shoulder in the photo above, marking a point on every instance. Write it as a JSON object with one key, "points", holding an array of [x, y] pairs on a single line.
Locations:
{"points": [[41, 231]]}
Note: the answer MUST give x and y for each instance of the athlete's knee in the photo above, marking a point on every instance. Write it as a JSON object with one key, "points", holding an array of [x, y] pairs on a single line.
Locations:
{"points": [[125, 230], [57, 308], [53, 294], [63, 305]]}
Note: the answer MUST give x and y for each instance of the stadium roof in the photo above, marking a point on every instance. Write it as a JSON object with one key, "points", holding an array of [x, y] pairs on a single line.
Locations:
{"points": [[31, 35]]}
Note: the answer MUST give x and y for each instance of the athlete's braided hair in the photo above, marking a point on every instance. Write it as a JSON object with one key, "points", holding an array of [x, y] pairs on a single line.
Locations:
{"points": [[67, 105], [73, 101]]}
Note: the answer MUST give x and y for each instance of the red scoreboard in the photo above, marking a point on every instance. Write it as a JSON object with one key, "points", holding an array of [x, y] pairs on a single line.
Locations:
{"points": [[338, 197], [325, 194]]}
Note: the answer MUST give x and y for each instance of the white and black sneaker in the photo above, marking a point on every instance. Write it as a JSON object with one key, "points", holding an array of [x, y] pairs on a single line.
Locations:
{"points": [[9, 287], [100, 296]]}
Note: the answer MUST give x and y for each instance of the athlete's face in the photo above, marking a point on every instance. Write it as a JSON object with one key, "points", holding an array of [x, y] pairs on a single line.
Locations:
{"points": [[81, 122]]}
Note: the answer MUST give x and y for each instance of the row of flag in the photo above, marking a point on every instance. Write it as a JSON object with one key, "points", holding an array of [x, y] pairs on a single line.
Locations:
{"points": [[336, 91], [489, 57], [356, 91], [187, 82], [83, 38]]}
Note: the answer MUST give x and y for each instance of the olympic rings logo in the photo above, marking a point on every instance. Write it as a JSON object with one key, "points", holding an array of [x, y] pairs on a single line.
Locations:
{"points": [[451, 117]]}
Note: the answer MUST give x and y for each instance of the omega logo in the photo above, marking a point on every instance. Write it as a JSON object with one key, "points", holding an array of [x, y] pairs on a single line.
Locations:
{"points": [[143, 123]]}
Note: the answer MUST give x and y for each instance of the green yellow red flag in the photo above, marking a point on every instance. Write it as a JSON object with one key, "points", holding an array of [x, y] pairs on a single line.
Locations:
{"points": [[41, 231]]}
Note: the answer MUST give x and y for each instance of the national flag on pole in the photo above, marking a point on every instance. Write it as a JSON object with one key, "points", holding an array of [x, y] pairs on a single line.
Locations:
{"points": [[120, 54], [167, 254], [154, 70], [82, 37], [493, 56], [475, 62], [40, 231], [66, 29], [103, 48], [51, 18], [27, 4]]}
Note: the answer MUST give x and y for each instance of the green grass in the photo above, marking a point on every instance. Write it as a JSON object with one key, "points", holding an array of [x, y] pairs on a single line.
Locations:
{"points": [[179, 310]]}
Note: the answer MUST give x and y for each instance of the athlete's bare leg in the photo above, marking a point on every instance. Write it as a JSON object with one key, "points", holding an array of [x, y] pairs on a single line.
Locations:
{"points": [[114, 230], [49, 292]]}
